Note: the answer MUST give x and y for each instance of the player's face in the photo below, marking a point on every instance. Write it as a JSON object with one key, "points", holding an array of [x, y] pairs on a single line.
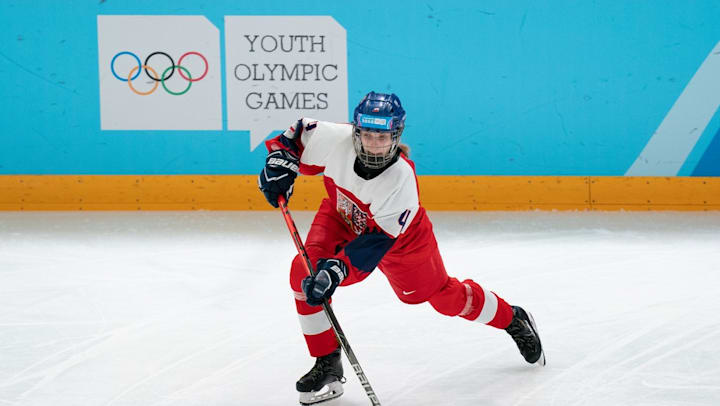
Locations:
{"points": [[377, 143]]}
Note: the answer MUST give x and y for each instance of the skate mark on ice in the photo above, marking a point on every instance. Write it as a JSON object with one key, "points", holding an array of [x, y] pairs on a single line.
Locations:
{"points": [[423, 382], [589, 360], [222, 372], [673, 350], [682, 387], [52, 372], [218, 374], [596, 383], [167, 368], [21, 376]]}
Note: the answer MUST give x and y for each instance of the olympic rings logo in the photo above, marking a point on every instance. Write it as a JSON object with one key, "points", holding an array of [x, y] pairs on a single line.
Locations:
{"points": [[159, 79]]}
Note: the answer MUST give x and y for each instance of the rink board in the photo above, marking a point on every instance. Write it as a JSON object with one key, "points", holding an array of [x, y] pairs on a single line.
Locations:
{"points": [[240, 192]]}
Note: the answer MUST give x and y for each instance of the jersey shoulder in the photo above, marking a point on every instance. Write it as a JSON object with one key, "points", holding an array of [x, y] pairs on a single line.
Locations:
{"points": [[321, 139], [402, 173]]}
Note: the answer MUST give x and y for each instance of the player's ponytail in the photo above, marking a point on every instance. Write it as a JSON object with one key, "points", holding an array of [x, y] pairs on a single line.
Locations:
{"points": [[405, 149]]}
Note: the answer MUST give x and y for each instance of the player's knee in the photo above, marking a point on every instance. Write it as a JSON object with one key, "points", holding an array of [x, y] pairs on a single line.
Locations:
{"points": [[449, 299], [442, 306]]}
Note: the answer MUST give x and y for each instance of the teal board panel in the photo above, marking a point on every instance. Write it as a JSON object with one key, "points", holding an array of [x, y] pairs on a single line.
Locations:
{"points": [[491, 88]]}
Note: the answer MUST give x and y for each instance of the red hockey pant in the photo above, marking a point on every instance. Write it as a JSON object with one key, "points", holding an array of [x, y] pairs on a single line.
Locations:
{"points": [[423, 280]]}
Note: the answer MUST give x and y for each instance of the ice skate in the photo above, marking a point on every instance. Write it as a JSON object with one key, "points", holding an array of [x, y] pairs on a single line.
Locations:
{"points": [[522, 329], [323, 382]]}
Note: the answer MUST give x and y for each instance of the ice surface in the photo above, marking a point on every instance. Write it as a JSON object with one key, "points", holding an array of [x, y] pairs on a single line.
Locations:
{"points": [[194, 308]]}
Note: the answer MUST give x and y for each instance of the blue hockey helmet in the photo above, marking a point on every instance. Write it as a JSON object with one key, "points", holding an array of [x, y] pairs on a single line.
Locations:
{"points": [[378, 113]]}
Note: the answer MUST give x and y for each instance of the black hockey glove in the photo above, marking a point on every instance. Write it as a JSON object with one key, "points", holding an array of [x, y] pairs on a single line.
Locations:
{"points": [[330, 273], [278, 176]]}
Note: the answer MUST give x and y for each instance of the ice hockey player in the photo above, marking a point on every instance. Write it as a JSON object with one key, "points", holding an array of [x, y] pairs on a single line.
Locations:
{"points": [[371, 218]]}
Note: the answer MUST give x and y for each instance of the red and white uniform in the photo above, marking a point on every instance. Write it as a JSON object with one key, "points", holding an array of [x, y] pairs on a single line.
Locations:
{"points": [[371, 223]]}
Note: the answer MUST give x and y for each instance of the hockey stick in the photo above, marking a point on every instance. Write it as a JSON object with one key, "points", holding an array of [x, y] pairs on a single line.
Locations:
{"points": [[326, 307]]}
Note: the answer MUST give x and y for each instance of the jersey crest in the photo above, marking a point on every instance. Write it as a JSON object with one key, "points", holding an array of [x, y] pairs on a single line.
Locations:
{"points": [[351, 213]]}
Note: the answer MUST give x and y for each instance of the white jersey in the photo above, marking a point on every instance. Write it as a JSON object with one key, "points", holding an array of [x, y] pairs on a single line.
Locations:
{"points": [[389, 200]]}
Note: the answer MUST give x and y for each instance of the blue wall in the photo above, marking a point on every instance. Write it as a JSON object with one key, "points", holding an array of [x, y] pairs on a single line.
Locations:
{"points": [[491, 87]]}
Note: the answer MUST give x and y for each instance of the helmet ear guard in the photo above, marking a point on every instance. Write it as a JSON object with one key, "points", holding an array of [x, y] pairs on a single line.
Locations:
{"points": [[378, 112]]}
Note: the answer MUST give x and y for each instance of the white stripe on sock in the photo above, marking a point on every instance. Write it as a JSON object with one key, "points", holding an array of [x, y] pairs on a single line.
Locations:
{"points": [[468, 302], [300, 296], [313, 324], [489, 308]]}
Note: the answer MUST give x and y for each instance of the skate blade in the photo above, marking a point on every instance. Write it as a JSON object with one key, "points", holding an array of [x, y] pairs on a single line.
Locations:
{"points": [[541, 360], [328, 392]]}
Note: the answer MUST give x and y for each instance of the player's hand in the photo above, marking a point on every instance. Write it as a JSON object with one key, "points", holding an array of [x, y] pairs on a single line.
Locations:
{"points": [[330, 273], [278, 175]]}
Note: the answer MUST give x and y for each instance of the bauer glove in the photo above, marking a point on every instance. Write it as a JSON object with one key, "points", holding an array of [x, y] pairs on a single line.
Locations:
{"points": [[330, 273], [278, 176]]}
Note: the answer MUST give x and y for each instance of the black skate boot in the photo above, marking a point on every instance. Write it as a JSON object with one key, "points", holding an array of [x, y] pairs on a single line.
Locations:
{"points": [[327, 374], [522, 329]]}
